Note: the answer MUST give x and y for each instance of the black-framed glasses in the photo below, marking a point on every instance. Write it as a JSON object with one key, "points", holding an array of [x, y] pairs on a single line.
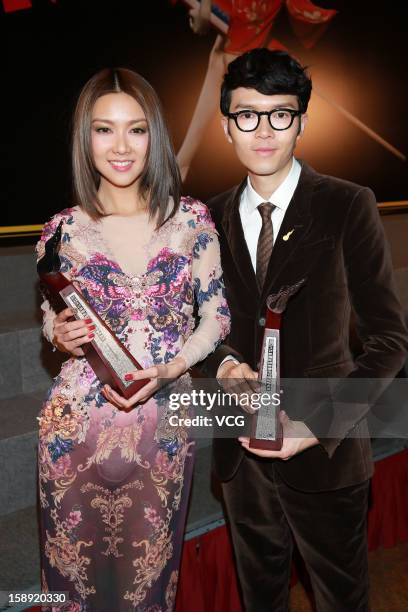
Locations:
{"points": [[279, 118]]}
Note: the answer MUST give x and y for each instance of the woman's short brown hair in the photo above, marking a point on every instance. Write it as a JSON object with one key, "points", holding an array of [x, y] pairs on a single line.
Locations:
{"points": [[160, 178]]}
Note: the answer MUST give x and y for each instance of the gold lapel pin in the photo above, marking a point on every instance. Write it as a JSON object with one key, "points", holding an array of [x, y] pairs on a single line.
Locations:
{"points": [[288, 235]]}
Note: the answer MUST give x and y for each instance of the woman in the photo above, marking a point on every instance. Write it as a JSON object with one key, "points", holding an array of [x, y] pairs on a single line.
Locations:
{"points": [[114, 481]]}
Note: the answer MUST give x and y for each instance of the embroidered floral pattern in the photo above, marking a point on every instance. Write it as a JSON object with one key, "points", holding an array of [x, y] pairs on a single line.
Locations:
{"points": [[64, 553], [171, 591], [112, 505], [156, 550], [60, 427], [125, 439]]}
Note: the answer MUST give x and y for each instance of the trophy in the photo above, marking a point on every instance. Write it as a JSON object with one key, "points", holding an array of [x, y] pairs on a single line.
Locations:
{"points": [[266, 426], [108, 357]]}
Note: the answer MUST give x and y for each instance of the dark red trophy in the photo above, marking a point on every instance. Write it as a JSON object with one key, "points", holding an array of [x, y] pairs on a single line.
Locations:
{"points": [[267, 428], [109, 359]]}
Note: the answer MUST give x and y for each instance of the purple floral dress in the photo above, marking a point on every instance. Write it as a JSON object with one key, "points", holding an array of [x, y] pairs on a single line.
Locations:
{"points": [[114, 486]]}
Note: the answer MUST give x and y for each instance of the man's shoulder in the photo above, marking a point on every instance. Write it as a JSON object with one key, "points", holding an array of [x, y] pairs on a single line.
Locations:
{"points": [[218, 201], [326, 184]]}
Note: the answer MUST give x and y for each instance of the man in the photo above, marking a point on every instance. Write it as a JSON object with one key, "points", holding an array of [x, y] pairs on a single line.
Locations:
{"points": [[328, 231]]}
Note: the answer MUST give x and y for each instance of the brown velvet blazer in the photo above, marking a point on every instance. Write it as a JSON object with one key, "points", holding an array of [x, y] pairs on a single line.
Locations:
{"points": [[338, 243]]}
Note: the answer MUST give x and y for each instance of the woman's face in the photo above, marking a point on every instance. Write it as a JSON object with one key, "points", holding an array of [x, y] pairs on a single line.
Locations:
{"points": [[119, 140]]}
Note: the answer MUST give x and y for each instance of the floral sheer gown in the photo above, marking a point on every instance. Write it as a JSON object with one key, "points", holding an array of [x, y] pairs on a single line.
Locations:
{"points": [[113, 485]]}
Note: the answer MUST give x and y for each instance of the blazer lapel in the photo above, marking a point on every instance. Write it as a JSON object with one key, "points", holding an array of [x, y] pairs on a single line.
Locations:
{"points": [[295, 225], [231, 223]]}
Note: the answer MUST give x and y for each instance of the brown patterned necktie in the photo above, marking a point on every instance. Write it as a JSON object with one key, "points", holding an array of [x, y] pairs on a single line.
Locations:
{"points": [[265, 242]]}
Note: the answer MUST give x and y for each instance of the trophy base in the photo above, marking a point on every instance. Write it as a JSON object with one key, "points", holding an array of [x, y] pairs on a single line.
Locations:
{"points": [[127, 392], [109, 377], [274, 445], [266, 430]]}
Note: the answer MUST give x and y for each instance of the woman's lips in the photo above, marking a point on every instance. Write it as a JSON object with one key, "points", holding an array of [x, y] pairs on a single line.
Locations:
{"points": [[121, 166]]}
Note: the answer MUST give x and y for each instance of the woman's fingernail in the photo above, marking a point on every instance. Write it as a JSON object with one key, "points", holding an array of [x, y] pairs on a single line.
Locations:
{"points": [[90, 327], [128, 376], [91, 335], [88, 320]]}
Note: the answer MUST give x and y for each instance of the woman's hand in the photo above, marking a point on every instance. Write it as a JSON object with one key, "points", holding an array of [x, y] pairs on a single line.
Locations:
{"points": [[69, 336], [159, 375]]}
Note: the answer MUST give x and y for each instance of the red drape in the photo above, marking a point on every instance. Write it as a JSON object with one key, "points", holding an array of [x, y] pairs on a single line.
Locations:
{"points": [[16, 5], [208, 581], [208, 576], [388, 515]]}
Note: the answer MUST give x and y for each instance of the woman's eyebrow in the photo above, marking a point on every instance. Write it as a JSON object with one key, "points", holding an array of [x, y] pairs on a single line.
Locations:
{"points": [[101, 120]]}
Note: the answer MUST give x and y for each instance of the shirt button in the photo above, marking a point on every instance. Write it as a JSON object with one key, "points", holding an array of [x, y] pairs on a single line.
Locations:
{"points": [[262, 321]]}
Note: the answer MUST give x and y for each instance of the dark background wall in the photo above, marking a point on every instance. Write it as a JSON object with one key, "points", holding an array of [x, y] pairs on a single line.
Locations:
{"points": [[49, 51]]}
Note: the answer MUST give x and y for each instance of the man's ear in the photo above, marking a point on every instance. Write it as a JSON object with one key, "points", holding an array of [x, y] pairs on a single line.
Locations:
{"points": [[303, 122], [225, 127]]}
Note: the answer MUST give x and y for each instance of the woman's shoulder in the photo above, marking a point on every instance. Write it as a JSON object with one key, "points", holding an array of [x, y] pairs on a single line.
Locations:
{"points": [[68, 216], [195, 214]]}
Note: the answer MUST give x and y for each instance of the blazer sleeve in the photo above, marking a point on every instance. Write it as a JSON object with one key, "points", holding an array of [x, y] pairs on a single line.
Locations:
{"points": [[209, 367], [380, 321]]}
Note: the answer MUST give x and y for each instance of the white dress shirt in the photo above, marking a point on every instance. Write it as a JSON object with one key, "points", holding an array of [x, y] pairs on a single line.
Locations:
{"points": [[251, 219]]}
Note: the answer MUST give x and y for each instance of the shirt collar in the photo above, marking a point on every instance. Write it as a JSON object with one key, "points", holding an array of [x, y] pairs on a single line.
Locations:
{"points": [[280, 197]]}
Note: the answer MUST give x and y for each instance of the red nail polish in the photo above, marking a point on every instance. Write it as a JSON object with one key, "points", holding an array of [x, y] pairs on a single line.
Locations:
{"points": [[91, 327], [88, 320], [91, 335], [128, 377]]}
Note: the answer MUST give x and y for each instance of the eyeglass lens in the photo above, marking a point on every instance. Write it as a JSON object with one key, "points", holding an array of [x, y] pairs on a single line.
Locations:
{"points": [[279, 120]]}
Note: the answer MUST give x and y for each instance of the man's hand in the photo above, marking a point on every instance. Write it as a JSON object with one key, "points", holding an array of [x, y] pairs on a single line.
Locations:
{"points": [[238, 378], [158, 375], [232, 369], [297, 437], [69, 336]]}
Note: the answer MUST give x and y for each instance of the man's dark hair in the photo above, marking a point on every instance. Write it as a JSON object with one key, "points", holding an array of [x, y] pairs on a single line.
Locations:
{"points": [[270, 73]]}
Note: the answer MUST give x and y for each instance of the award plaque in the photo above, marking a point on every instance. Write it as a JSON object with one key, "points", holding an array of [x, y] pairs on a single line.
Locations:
{"points": [[108, 357], [266, 427]]}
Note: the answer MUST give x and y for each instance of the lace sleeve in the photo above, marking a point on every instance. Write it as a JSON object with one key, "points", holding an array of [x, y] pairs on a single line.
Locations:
{"points": [[214, 315]]}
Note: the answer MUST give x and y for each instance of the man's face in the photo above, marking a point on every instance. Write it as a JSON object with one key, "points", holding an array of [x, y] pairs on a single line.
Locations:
{"points": [[265, 151]]}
